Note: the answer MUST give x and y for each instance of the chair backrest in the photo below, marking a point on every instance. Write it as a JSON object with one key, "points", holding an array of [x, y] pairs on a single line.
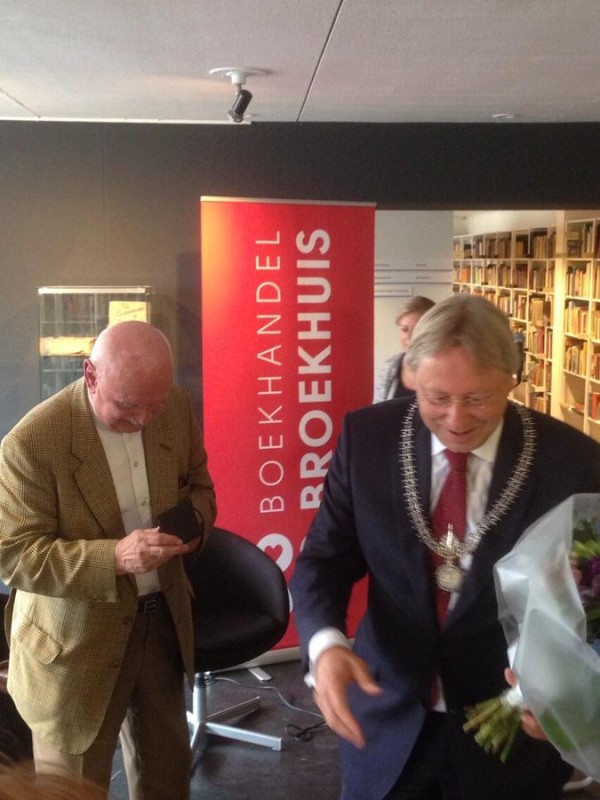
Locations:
{"points": [[241, 608]]}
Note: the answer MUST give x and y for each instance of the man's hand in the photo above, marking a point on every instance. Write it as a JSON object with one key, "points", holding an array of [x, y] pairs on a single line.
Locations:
{"points": [[336, 668], [528, 722], [144, 550]]}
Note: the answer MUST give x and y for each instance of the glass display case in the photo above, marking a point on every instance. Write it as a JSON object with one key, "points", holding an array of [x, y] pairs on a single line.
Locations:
{"points": [[70, 319]]}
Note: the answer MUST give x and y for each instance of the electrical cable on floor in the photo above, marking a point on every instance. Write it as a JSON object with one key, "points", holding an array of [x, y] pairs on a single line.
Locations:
{"points": [[302, 734]]}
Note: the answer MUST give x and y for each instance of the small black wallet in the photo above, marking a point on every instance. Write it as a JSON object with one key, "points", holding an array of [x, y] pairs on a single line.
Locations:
{"points": [[181, 520]]}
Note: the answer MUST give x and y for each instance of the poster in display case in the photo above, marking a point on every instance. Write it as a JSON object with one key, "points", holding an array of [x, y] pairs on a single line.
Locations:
{"points": [[70, 318]]}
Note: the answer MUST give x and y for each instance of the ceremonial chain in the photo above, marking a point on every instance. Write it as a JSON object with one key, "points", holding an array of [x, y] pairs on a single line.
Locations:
{"points": [[497, 511]]}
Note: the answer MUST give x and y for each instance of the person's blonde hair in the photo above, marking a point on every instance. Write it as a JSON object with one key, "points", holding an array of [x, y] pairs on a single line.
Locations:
{"points": [[21, 782], [468, 321]]}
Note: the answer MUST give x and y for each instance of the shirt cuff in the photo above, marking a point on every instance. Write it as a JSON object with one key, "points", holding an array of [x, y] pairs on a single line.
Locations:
{"points": [[320, 641]]}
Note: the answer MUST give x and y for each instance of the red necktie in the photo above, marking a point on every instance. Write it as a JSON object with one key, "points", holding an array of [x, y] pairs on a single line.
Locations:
{"points": [[450, 510]]}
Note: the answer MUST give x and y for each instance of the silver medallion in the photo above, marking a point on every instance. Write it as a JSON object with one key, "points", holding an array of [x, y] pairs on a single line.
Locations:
{"points": [[449, 577]]}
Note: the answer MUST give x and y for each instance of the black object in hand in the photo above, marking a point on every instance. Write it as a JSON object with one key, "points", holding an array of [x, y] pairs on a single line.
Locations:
{"points": [[181, 520]]}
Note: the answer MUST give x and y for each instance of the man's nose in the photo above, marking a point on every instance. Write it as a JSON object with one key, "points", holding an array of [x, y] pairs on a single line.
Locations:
{"points": [[144, 416], [457, 412]]}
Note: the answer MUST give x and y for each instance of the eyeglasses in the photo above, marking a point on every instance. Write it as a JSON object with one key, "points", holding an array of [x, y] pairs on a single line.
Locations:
{"points": [[471, 401]]}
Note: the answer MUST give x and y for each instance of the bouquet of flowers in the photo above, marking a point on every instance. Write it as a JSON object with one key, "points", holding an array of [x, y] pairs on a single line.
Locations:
{"points": [[549, 606], [585, 559]]}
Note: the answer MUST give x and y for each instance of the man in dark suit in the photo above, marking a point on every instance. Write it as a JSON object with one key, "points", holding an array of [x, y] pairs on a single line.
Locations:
{"points": [[397, 697]]}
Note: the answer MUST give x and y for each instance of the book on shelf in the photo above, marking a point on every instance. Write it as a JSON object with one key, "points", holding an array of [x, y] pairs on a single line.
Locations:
{"points": [[576, 358], [595, 366], [576, 317], [537, 311], [573, 242], [594, 405]]}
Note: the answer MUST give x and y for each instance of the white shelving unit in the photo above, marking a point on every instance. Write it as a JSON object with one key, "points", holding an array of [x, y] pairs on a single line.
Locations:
{"points": [[516, 270]]}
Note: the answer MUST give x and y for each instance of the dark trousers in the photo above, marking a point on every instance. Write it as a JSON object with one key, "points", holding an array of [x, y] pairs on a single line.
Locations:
{"points": [[447, 764]]}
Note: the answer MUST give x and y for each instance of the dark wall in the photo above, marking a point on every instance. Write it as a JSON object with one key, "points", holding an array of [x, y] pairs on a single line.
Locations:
{"points": [[119, 204]]}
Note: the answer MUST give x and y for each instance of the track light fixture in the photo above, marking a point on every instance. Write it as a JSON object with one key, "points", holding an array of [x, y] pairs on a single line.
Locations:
{"points": [[238, 76], [240, 104]]}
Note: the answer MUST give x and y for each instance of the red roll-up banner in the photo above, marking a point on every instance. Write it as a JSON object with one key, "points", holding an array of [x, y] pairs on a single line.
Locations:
{"points": [[287, 342]]}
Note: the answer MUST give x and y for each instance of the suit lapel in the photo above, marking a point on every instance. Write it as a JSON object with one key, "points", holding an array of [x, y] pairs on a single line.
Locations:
{"points": [[91, 472], [161, 462], [415, 555]]}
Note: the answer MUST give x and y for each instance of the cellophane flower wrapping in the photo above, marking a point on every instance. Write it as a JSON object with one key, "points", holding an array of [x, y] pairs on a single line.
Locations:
{"points": [[543, 618]]}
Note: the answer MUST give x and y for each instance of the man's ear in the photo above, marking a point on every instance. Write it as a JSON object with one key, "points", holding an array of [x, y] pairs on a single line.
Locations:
{"points": [[89, 373]]}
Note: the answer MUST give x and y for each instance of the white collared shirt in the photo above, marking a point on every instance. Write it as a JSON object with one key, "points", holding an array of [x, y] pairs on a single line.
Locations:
{"points": [[127, 463]]}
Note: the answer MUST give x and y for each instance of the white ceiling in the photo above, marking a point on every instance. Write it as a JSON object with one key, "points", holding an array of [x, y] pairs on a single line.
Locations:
{"points": [[326, 60]]}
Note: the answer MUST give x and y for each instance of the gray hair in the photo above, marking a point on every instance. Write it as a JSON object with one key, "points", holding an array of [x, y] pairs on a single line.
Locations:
{"points": [[470, 322]]}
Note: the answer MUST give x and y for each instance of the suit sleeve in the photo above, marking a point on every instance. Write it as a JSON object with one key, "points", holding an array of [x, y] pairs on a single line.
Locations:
{"points": [[202, 491], [331, 561]]}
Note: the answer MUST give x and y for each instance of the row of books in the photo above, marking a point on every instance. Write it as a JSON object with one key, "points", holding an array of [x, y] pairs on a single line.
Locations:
{"points": [[595, 365], [540, 311], [576, 357], [496, 246], [576, 318], [539, 341], [539, 402], [495, 274], [580, 240], [539, 243], [543, 245], [541, 278], [596, 283], [540, 374], [576, 281], [594, 405], [576, 360]]}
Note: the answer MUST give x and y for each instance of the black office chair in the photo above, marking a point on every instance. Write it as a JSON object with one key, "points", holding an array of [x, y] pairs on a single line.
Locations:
{"points": [[241, 611]]}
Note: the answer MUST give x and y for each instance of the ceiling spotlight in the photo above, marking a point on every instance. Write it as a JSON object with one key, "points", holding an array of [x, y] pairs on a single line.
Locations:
{"points": [[238, 76], [240, 104]]}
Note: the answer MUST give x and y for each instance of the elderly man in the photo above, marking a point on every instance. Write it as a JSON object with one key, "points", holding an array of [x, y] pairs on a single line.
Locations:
{"points": [[99, 617], [424, 497]]}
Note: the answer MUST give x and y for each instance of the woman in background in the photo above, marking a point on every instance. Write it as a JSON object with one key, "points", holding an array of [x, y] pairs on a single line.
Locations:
{"points": [[393, 380]]}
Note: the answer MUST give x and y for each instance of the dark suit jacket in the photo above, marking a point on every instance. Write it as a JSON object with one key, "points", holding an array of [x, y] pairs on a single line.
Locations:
{"points": [[363, 527]]}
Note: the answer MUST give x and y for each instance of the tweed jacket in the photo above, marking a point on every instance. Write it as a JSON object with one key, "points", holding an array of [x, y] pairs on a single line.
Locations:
{"points": [[69, 615], [363, 527]]}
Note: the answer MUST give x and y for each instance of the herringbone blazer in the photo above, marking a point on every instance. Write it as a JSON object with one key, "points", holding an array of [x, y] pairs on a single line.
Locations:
{"points": [[69, 615]]}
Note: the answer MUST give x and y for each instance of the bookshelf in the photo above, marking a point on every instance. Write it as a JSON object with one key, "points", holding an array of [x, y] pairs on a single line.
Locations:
{"points": [[579, 403], [70, 318], [516, 270]]}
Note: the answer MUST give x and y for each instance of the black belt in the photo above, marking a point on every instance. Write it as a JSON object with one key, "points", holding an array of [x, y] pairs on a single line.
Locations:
{"points": [[150, 603]]}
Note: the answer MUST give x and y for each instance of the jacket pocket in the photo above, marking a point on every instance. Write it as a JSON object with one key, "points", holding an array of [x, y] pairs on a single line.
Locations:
{"points": [[34, 639]]}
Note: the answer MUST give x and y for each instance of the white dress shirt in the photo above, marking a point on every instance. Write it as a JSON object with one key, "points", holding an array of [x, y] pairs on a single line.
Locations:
{"points": [[127, 462]]}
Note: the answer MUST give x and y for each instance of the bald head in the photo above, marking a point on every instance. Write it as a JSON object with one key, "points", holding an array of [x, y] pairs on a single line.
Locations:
{"points": [[129, 375]]}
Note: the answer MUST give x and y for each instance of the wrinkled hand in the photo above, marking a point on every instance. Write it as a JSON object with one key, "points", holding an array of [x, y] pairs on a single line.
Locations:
{"points": [[335, 670], [528, 722], [144, 550]]}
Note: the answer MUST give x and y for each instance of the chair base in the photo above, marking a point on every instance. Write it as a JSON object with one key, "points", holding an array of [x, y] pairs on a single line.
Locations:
{"points": [[204, 725]]}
